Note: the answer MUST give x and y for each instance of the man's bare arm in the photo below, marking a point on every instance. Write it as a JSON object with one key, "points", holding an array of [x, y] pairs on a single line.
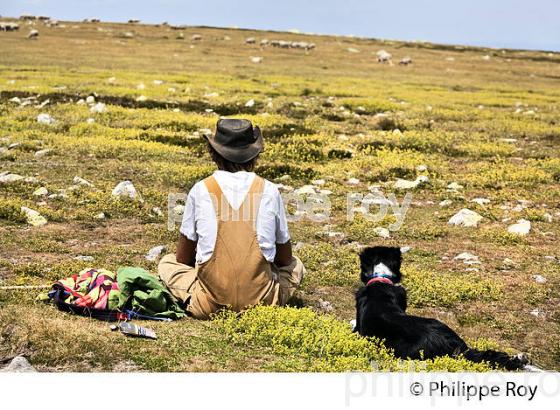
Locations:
{"points": [[186, 251], [283, 254]]}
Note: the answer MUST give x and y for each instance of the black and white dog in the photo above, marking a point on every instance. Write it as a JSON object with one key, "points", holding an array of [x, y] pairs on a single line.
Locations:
{"points": [[381, 312]]}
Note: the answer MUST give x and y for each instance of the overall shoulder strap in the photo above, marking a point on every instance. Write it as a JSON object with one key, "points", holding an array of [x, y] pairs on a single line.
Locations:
{"points": [[221, 206], [251, 204]]}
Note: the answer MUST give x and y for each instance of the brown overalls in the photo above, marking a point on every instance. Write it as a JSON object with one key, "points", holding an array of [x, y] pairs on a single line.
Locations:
{"points": [[237, 275]]}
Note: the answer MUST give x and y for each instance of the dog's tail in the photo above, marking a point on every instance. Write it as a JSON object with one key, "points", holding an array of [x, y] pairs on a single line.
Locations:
{"points": [[497, 359]]}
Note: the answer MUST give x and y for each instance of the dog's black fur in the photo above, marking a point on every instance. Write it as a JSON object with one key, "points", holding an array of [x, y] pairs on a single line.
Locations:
{"points": [[381, 312]]}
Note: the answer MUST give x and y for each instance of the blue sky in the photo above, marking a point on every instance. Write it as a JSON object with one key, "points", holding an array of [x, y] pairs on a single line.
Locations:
{"points": [[532, 24]]}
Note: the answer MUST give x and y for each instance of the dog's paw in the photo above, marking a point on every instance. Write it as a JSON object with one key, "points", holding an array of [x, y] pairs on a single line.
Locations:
{"points": [[353, 324]]}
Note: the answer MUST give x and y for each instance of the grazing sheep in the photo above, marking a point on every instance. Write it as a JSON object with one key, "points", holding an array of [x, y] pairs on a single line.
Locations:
{"points": [[250, 40], [264, 42], [196, 37], [9, 26], [383, 56], [27, 17], [405, 61], [33, 34], [133, 21], [43, 18]]}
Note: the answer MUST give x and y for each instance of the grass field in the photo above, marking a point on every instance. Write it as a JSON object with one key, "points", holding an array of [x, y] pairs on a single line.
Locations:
{"points": [[485, 119]]}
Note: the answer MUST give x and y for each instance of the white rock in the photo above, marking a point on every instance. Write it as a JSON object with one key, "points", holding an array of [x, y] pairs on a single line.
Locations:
{"points": [[454, 186], [178, 211], [467, 258], [125, 189], [406, 184], [156, 210], [34, 218], [522, 227], [382, 232], [353, 181], [19, 364], [465, 217], [90, 99], [319, 182], [306, 190], [324, 305], [445, 202], [41, 191], [158, 82], [42, 153], [98, 108], [80, 181], [256, 60], [536, 312], [100, 215], [90, 120], [547, 217], [481, 201], [84, 258], [250, 103], [155, 253], [141, 98], [81, 101], [539, 279], [405, 249], [45, 119], [421, 168], [8, 178]]}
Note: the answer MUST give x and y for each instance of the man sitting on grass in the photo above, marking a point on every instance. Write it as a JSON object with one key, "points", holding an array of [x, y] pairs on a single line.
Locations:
{"points": [[234, 247]]}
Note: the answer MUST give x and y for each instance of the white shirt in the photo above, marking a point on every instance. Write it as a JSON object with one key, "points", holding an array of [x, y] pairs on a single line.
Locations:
{"points": [[199, 218]]}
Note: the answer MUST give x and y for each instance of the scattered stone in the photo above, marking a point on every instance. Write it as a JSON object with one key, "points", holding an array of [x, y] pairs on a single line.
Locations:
{"points": [[406, 184], [154, 253], [405, 249], [319, 182], [382, 232], [522, 227], [466, 218], [84, 258], [353, 181], [42, 153], [421, 168], [125, 189], [250, 103], [45, 119], [98, 108], [547, 217], [306, 190], [454, 186], [141, 98], [481, 201], [100, 215], [90, 121], [34, 218], [256, 60], [19, 364], [445, 202], [90, 99], [536, 312], [507, 263], [467, 258], [539, 279], [324, 306], [80, 181], [41, 191], [8, 178], [157, 211]]}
